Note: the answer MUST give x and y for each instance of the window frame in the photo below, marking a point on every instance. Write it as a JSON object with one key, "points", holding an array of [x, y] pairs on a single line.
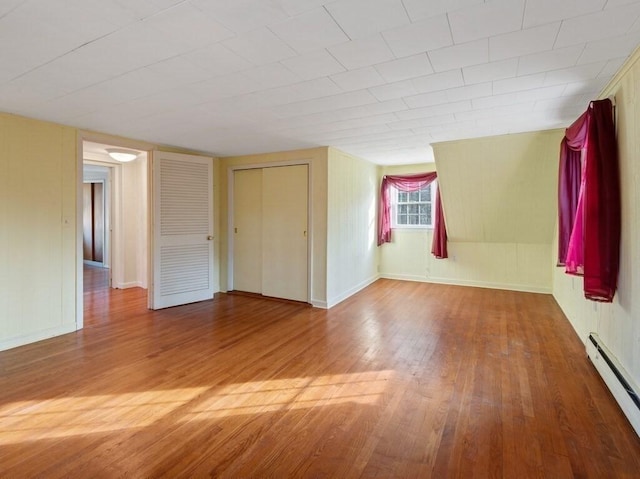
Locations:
{"points": [[395, 203]]}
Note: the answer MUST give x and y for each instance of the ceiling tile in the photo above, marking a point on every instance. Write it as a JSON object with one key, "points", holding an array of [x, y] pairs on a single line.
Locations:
{"points": [[486, 19], [242, 15], [540, 12], [572, 74], [435, 110], [589, 87], [612, 67], [601, 49], [426, 99], [465, 54], [270, 76], [422, 122], [549, 60], [395, 90], [419, 37], [310, 31], [523, 42], [296, 7], [468, 92], [419, 9], [508, 111], [363, 18], [438, 81], [405, 68], [313, 65], [358, 79], [260, 47], [362, 53], [218, 60], [608, 23], [180, 70], [186, 25], [490, 71], [328, 103], [494, 101], [541, 93], [519, 83]]}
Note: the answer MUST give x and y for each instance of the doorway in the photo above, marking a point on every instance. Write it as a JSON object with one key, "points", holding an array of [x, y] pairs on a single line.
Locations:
{"points": [[114, 220]]}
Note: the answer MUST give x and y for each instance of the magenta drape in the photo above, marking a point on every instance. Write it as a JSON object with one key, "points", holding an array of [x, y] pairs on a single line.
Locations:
{"points": [[569, 178], [411, 183], [591, 247], [601, 206], [569, 191]]}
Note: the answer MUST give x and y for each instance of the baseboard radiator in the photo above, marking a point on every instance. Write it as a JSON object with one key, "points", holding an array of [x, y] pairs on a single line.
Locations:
{"points": [[617, 380]]}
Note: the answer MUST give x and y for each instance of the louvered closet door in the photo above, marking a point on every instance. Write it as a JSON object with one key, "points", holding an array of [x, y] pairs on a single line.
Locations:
{"points": [[182, 229]]}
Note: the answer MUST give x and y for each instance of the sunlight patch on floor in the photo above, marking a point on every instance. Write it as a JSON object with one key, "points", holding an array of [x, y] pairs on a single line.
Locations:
{"points": [[82, 415]]}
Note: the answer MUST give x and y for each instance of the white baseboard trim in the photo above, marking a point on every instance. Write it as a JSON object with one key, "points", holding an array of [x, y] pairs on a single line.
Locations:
{"points": [[525, 288], [319, 304], [94, 263], [130, 284], [36, 336], [341, 297]]}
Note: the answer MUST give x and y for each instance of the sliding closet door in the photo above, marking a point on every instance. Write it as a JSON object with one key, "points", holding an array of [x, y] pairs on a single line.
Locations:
{"points": [[247, 231], [284, 232], [270, 208]]}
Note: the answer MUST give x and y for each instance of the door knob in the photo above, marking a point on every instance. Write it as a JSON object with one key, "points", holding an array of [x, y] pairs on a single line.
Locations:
{"points": [[209, 237]]}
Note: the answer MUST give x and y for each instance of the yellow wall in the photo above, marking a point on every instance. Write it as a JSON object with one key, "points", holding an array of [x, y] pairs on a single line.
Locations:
{"points": [[498, 196], [38, 174], [317, 158], [351, 225], [618, 323]]}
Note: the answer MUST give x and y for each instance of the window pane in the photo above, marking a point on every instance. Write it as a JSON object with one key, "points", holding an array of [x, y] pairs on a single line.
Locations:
{"points": [[424, 220], [425, 194], [402, 209], [413, 219], [402, 196], [402, 219], [414, 209], [414, 196]]}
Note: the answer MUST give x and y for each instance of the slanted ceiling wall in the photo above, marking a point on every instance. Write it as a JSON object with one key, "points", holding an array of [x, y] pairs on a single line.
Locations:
{"points": [[499, 198]]}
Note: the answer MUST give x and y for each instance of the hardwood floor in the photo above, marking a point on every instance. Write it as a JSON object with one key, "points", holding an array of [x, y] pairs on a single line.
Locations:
{"points": [[403, 380]]}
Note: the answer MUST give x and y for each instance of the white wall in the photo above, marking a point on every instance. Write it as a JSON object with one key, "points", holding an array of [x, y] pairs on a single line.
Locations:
{"points": [[618, 323], [351, 225], [134, 234]]}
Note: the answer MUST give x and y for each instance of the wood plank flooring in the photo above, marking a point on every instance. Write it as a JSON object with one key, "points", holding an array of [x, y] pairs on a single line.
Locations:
{"points": [[407, 380]]}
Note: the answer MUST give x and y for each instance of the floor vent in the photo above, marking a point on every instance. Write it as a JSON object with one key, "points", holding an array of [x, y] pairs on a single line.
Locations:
{"points": [[616, 379]]}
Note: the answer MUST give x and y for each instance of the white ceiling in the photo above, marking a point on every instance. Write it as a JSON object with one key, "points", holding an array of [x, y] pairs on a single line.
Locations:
{"points": [[381, 79]]}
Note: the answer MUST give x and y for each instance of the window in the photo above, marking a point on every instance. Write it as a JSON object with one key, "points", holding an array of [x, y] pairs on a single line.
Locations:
{"points": [[413, 209]]}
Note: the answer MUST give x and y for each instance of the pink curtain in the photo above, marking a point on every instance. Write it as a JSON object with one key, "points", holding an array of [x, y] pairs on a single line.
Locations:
{"points": [[411, 183], [570, 190], [601, 206], [591, 246]]}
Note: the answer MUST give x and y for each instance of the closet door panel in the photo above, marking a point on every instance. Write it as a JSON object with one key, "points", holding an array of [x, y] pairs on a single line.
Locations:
{"points": [[247, 231], [284, 232]]}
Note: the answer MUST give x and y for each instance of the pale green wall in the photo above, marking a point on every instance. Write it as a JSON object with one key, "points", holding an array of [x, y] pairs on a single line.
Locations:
{"points": [[618, 323], [351, 225], [498, 196], [38, 174]]}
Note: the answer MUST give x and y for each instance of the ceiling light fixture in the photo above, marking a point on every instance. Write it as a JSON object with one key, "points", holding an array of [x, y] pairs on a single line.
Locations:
{"points": [[121, 155]]}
